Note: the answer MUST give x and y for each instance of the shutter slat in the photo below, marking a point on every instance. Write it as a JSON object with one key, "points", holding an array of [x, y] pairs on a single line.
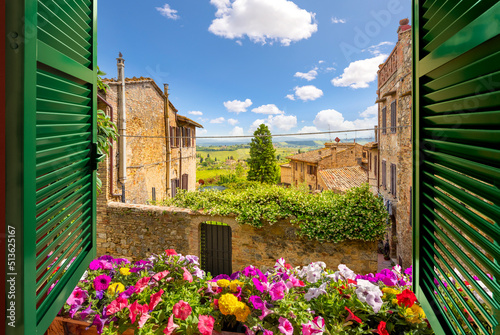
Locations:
{"points": [[47, 79], [55, 187], [79, 28], [483, 119], [45, 204], [61, 106], [484, 137], [53, 176], [473, 103], [51, 212], [478, 154], [482, 28], [62, 96]]}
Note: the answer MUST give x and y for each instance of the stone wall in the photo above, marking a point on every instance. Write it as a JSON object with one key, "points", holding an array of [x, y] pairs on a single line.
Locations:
{"points": [[396, 147], [137, 231]]}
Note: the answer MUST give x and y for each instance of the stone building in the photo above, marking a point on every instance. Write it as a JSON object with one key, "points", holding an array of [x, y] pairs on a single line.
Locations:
{"points": [[303, 168], [370, 163], [159, 143], [391, 156]]}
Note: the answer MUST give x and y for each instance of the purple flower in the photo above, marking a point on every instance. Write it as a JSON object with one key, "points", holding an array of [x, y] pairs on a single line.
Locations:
{"points": [[101, 282], [409, 271], [235, 275], [436, 282], [86, 312], [99, 294], [120, 261], [74, 308], [221, 276], [99, 323], [193, 259], [77, 297], [249, 271], [106, 258], [277, 290], [128, 292], [388, 277]]}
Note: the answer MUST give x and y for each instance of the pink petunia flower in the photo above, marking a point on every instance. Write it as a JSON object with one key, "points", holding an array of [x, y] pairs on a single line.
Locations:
{"points": [[260, 285], [316, 326], [137, 309], [267, 332], [142, 320], [141, 284], [116, 305], [102, 282], [206, 324], [187, 275], [77, 297], [285, 326], [182, 310], [277, 291], [155, 299], [160, 275], [171, 326]]}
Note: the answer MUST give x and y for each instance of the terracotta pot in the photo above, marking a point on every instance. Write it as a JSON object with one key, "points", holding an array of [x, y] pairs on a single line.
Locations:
{"points": [[68, 326]]}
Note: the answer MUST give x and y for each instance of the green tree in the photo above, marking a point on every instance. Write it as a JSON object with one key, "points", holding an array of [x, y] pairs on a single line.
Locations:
{"points": [[262, 161]]}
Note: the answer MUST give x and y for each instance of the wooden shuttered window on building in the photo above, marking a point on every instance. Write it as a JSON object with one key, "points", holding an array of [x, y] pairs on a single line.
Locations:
{"points": [[375, 163], [384, 174], [184, 181], [393, 116], [384, 120], [456, 122], [172, 136], [51, 150], [177, 136], [393, 179]]}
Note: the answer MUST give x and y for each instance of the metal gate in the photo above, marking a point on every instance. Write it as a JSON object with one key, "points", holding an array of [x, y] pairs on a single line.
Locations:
{"points": [[456, 195], [216, 249]]}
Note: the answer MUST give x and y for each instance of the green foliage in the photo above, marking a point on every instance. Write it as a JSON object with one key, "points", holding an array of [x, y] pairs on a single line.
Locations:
{"points": [[262, 162], [106, 132], [328, 217], [100, 84]]}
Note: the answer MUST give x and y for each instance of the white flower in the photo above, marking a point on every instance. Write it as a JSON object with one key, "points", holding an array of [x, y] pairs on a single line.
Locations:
{"points": [[315, 292], [369, 293], [313, 271], [344, 273], [85, 275]]}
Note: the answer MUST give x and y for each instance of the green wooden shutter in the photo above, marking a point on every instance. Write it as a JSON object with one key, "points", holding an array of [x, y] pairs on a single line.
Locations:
{"points": [[456, 195], [51, 153]]}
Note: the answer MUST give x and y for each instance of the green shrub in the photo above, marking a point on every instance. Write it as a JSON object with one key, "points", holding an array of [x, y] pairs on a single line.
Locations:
{"points": [[328, 217]]}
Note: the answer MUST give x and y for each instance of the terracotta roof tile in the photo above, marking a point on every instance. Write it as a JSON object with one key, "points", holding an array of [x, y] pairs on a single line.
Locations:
{"points": [[313, 156], [342, 179]]}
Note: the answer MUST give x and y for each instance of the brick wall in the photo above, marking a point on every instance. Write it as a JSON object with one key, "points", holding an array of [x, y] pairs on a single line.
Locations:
{"points": [[137, 231]]}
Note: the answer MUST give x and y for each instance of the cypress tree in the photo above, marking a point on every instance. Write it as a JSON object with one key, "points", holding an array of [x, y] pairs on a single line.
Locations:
{"points": [[262, 161]]}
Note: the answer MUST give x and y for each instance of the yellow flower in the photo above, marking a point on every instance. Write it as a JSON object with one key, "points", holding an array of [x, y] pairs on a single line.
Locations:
{"points": [[242, 312], [116, 288], [228, 303], [223, 283], [233, 285], [390, 290], [125, 271], [395, 301], [415, 313]]}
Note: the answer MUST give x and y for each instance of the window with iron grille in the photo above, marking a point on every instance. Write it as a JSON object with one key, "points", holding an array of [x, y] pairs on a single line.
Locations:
{"points": [[384, 119], [393, 116], [393, 179], [384, 175]]}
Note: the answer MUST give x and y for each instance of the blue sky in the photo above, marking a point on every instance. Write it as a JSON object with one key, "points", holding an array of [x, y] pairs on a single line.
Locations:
{"points": [[298, 66]]}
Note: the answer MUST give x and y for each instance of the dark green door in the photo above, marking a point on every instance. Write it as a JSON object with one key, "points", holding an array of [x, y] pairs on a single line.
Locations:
{"points": [[51, 156], [456, 195]]}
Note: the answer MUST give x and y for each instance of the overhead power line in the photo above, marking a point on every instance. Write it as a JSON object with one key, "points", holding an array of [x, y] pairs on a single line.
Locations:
{"points": [[275, 135]]}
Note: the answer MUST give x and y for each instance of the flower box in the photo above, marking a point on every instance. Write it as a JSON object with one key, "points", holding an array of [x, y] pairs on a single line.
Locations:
{"points": [[66, 326]]}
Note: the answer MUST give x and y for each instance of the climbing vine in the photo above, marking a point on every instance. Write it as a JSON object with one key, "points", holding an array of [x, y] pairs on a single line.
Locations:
{"points": [[356, 215]]}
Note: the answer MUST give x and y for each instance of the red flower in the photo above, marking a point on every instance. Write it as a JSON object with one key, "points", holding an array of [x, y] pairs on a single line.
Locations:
{"points": [[206, 324], [141, 284], [155, 300], [350, 281], [406, 298], [381, 328], [287, 266], [352, 316], [170, 252], [340, 291], [116, 305], [182, 310]]}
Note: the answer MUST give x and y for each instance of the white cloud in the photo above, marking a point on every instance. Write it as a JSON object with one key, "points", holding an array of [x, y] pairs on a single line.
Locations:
{"points": [[237, 106], [360, 73], [168, 12], [195, 113], [311, 129], [281, 122], [290, 96], [239, 42], [308, 75], [370, 112], [200, 132], [269, 109], [337, 20], [232, 122], [321, 61], [237, 131], [218, 120], [332, 120], [262, 21], [308, 92], [375, 49], [329, 69]]}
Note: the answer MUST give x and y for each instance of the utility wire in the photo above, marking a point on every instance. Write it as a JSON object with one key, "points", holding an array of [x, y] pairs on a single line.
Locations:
{"points": [[275, 135]]}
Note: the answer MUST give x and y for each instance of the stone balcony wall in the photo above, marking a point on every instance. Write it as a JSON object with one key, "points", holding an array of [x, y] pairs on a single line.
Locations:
{"points": [[137, 231]]}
